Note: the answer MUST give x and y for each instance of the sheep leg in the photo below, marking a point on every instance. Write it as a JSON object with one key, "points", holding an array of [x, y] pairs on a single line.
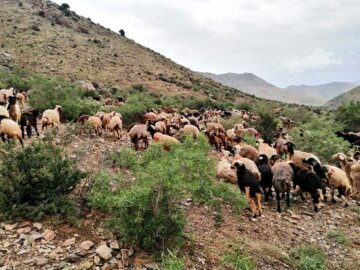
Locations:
{"points": [[288, 199], [23, 131], [250, 201], [278, 201], [21, 141], [28, 131], [316, 202], [3, 137], [333, 195], [258, 202], [146, 142], [36, 129]]}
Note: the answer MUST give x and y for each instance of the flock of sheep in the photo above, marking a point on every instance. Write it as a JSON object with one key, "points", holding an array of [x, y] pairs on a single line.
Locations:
{"points": [[257, 170]]}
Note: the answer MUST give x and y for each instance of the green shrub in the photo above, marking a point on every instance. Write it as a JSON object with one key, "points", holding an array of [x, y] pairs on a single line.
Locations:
{"points": [[125, 158], [338, 237], [319, 138], [148, 212], [238, 261], [35, 181], [46, 93], [171, 262], [348, 115], [309, 257], [266, 126]]}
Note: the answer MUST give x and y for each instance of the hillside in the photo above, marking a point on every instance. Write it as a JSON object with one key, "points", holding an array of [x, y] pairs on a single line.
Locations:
{"points": [[324, 92], [39, 37], [252, 84], [352, 95]]}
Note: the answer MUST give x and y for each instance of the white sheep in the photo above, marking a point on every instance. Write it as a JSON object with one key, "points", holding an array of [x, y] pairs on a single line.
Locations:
{"points": [[190, 130], [165, 140], [4, 112], [115, 125], [11, 129], [95, 122], [249, 164], [298, 156], [51, 117], [265, 149]]}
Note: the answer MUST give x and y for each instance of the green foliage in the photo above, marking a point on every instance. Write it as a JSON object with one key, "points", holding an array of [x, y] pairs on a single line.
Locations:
{"points": [[309, 257], [349, 116], [300, 115], [19, 79], [266, 125], [231, 122], [171, 262], [250, 140], [46, 93], [238, 261], [319, 138], [35, 181], [125, 158], [148, 212], [337, 237]]}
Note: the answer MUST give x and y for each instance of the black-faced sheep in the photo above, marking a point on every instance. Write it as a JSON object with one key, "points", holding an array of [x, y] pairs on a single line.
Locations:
{"points": [[28, 120], [298, 156], [249, 185], [266, 175], [265, 149], [14, 109]]}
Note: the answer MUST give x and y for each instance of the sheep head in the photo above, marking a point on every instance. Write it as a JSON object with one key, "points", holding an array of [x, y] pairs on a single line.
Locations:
{"points": [[59, 108]]}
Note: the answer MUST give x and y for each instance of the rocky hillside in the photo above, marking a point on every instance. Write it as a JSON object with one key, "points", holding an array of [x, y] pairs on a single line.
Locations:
{"points": [[38, 36], [352, 95]]}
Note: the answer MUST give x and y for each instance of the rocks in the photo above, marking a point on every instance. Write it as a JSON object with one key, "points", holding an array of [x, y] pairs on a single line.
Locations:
{"points": [[104, 252], [114, 245], [86, 245], [69, 242], [48, 235], [151, 266], [10, 227], [32, 238], [41, 261]]}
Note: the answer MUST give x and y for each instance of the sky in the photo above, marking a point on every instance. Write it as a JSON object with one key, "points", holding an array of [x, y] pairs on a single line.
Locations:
{"points": [[286, 42]]}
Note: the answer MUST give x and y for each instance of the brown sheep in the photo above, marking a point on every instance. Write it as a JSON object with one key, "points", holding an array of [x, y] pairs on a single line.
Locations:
{"points": [[137, 132], [51, 117], [95, 122], [115, 125]]}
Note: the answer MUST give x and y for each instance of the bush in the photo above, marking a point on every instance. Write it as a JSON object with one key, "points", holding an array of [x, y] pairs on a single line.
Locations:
{"points": [[125, 158], [35, 181], [309, 257], [46, 93], [266, 126], [348, 115], [319, 138], [337, 237], [148, 212]]}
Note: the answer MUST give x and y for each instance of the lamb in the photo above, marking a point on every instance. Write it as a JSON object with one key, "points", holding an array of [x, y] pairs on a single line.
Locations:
{"points": [[352, 171], [265, 149], [309, 182], [298, 156], [95, 122], [10, 128], [282, 180], [165, 140], [249, 152], [4, 112], [137, 132], [115, 125], [249, 185], [14, 109], [190, 130], [51, 117], [27, 120], [266, 175], [224, 170]]}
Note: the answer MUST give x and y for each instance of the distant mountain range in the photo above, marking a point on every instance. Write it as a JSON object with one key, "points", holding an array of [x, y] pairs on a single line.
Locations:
{"points": [[352, 95], [302, 94]]}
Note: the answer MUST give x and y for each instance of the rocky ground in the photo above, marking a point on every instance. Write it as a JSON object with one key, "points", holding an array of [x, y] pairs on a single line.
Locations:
{"points": [[267, 240]]}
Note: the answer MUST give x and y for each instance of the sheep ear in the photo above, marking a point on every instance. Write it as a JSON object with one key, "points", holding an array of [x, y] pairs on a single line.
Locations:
{"points": [[341, 157]]}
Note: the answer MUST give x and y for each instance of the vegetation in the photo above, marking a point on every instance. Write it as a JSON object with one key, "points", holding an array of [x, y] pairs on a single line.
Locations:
{"points": [[349, 116], [35, 181], [319, 138], [337, 237], [309, 257], [238, 261], [148, 212], [266, 125]]}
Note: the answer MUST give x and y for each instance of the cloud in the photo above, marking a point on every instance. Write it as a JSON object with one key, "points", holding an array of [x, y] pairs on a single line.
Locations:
{"points": [[317, 59]]}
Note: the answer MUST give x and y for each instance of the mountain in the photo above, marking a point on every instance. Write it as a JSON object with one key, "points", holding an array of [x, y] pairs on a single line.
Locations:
{"points": [[324, 91], [352, 95], [252, 84]]}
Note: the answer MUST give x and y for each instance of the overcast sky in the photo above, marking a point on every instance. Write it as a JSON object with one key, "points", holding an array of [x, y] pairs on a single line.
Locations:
{"points": [[283, 41]]}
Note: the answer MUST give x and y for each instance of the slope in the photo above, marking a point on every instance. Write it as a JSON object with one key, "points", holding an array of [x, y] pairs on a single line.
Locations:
{"points": [[352, 95], [38, 36]]}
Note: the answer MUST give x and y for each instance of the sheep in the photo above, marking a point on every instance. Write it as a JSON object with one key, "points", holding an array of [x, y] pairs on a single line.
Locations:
{"points": [[115, 125], [5, 93], [27, 120], [215, 127], [105, 119], [14, 109], [165, 140], [308, 181], [83, 118], [161, 127], [356, 157], [4, 112], [249, 152], [265, 149], [352, 171], [51, 117], [224, 170], [249, 164], [216, 140], [266, 175], [250, 186], [11, 129], [282, 180], [298, 156], [151, 116], [137, 132], [95, 122], [190, 130], [338, 180], [21, 99], [280, 144]]}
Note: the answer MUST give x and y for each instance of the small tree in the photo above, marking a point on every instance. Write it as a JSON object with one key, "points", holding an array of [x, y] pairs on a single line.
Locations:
{"points": [[122, 32], [65, 6], [349, 116]]}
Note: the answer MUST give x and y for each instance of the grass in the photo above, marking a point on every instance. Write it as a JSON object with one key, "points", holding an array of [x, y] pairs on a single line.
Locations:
{"points": [[309, 257], [238, 261], [337, 237]]}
